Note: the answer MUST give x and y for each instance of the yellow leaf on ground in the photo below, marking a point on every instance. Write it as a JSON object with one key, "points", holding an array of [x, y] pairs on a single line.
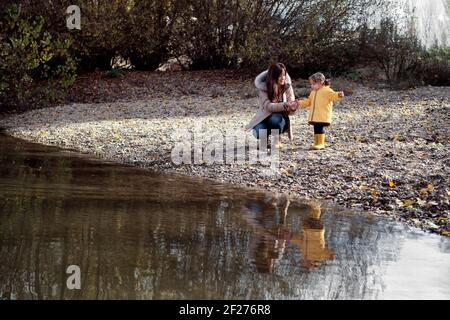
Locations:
{"points": [[391, 184], [286, 172], [373, 192], [430, 186], [408, 203]]}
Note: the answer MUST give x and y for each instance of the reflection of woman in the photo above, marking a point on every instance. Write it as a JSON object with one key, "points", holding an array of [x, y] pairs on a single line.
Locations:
{"points": [[267, 252], [312, 241], [275, 93], [271, 236]]}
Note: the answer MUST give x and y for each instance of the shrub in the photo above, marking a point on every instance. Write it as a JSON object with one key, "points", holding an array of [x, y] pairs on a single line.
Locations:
{"points": [[149, 26], [395, 52], [115, 73], [434, 67], [34, 66]]}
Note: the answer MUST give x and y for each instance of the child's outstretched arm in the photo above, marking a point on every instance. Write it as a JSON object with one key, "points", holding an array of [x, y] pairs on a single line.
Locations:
{"points": [[335, 96], [305, 103]]}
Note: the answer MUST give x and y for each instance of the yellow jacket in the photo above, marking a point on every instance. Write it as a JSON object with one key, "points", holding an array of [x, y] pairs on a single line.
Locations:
{"points": [[320, 104]]}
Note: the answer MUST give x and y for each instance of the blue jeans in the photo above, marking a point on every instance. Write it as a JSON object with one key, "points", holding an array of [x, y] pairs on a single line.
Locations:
{"points": [[276, 121]]}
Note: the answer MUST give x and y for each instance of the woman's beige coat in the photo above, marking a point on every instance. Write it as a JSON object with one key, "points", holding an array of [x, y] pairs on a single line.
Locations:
{"points": [[266, 107]]}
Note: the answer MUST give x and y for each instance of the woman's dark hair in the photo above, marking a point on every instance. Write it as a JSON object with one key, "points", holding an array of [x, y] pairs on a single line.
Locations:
{"points": [[274, 72]]}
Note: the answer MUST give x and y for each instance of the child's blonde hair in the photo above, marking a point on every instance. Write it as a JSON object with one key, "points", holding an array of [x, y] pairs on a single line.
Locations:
{"points": [[319, 78]]}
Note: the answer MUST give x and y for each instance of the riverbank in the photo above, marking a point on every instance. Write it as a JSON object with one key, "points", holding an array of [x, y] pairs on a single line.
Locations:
{"points": [[387, 152]]}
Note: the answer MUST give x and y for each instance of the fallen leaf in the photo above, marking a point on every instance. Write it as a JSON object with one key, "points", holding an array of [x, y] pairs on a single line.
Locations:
{"points": [[408, 203], [374, 193], [286, 172]]}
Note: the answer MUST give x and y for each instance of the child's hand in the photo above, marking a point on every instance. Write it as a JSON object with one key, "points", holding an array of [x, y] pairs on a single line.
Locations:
{"points": [[341, 94]]}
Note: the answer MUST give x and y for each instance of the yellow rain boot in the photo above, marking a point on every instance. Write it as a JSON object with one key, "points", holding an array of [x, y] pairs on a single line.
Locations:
{"points": [[319, 142]]}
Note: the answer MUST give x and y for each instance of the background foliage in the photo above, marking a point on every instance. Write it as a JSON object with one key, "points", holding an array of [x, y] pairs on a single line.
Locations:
{"points": [[40, 56]]}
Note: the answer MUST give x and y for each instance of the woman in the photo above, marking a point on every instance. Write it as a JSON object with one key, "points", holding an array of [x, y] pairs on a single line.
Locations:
{"points": [[275, 95]]}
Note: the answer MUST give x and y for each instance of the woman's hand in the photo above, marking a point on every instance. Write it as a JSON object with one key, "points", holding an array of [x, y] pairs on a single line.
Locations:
{"points": [[341, 94], [292, 105]]}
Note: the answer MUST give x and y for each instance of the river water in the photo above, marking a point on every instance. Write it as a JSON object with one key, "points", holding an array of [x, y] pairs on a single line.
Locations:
{"points": [[140, 235]]}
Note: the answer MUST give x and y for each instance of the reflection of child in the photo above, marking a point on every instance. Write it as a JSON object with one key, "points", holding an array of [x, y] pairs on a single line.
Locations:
{"points": [[312, 242], [320, 104]]}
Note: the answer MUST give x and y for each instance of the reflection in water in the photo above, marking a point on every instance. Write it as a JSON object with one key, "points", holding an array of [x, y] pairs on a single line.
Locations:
{"points": [[272, 234], [312, 242], [268, 219], [138, 235]]}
